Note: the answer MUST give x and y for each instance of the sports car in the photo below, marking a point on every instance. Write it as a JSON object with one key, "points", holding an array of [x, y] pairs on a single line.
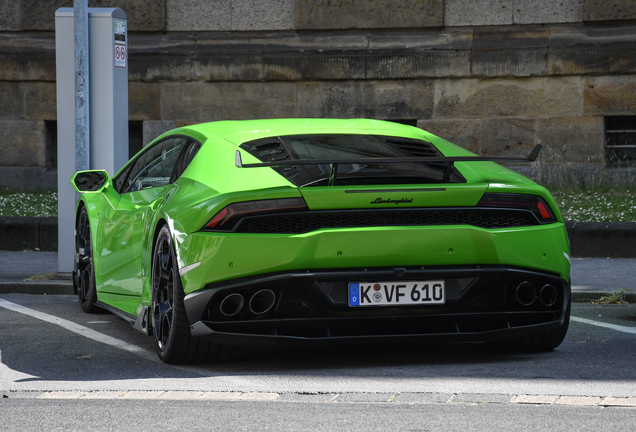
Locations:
{"points": [[263, 233]]}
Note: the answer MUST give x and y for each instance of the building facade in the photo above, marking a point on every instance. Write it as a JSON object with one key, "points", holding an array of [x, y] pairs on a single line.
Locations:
{"points": [[494, 76]]}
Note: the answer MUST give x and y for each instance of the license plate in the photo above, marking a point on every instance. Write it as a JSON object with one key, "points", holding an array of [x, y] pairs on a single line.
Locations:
{"points": [[397, 293]]}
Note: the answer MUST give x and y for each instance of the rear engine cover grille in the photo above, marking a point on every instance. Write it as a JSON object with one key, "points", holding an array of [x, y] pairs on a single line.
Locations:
{"points": [[302, 222]]}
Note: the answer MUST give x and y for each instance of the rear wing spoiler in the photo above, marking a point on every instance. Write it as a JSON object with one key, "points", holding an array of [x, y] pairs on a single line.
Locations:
{"points": [[447, 160]]}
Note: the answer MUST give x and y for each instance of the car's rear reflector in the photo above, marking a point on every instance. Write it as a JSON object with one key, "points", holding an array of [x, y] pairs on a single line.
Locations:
{"points": [[521, 201], [226, 218]]}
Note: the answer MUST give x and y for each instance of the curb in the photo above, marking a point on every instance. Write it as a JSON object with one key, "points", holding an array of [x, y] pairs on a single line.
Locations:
{"points": [[38, 288], [602, 239], [588, 296], [21, 232]]}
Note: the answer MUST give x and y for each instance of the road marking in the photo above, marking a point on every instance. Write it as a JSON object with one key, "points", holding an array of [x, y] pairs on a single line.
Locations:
{"points": [[619, 328], [76, 328], [590, 401]]}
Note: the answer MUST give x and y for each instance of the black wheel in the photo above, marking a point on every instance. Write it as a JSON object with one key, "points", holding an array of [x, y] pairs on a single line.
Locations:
{"points": [[84, 274], [170, 326], [546, 340]]}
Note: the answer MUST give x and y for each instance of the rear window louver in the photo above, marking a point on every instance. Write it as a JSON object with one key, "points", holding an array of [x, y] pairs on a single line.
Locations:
{"points": [[268, 151], [415, 149]]}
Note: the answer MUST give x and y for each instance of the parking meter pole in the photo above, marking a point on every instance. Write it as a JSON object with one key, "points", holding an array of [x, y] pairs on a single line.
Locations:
{"points": [[82, 86], [92, 121]]}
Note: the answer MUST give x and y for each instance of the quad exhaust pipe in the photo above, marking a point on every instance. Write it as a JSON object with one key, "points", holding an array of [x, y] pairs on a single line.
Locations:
{"points": [[262, 301], [232, 304], [259, 303], [527, 294], [548, 295]]}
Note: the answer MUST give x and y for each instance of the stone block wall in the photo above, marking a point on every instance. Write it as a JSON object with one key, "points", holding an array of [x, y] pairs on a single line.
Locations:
{"points": [[495, 76]]}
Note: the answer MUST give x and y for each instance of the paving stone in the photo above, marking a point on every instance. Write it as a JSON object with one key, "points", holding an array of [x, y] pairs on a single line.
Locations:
{"points": [[428, 64], [12, 95], [428, 398], [408, 99], [510, 51], [309, 398], [40, 100], [529, 399], [605, 10], [28, 178], [578, 400], [229, 57], [263, 15], [143, 395], [143, 15], [610, 95], [220, 395], [153, 128], [351, 14], [181, 395], [507, 137], [258, 396], [27, 56], [592, 49], [547, 11], [103, 395], [448, 39], [571, 140], [510, 62], [197, 102], [519, 97], [477, 12], [22, 143], [62, 395], [364, 397], [481, 398], [196, 15], [143, 101], [318, 66], [40, 14], [10, 15], [624, 402], [166, 57], [465, 133]]}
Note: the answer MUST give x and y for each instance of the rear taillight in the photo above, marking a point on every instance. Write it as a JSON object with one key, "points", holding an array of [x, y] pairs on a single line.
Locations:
{"points": [[227, 217], [534, 203]]}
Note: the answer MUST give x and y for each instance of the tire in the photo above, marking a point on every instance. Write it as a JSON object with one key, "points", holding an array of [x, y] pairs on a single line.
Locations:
{"points": [[546, 340], [84, 274], [170, 326]]}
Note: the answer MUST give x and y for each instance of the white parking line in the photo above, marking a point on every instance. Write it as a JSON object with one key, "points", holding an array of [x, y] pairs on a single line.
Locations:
{"points": [[619, 328], [79, 329]]}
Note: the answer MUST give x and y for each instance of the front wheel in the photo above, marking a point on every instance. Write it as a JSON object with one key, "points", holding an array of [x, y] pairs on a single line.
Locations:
{"points": [[170, 326]]}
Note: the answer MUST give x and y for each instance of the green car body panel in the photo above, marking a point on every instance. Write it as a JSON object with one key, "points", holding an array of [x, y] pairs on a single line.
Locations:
{"points": [[124, 226]]}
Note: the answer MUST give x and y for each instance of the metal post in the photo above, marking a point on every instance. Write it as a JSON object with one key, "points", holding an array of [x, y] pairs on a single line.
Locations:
{"points": [[82, 101], [95, 138]]}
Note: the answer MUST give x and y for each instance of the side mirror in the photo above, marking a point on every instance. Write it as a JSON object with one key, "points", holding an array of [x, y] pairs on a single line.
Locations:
{"points": [[93, 181]]}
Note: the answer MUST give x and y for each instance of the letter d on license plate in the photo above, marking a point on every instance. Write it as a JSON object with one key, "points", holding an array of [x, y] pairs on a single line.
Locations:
{"points": [[397, 293]]}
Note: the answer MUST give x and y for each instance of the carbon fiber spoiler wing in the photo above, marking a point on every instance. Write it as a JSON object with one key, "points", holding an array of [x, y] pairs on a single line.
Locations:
{"points": [[447, 160]]}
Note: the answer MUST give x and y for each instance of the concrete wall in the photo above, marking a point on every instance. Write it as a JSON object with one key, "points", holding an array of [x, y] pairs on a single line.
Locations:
{"points": [[495, 76]]}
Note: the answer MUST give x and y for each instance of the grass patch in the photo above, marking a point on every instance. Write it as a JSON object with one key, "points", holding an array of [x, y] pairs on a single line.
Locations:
{"points": [[27, 203], [615, 297], [599, 205]]}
